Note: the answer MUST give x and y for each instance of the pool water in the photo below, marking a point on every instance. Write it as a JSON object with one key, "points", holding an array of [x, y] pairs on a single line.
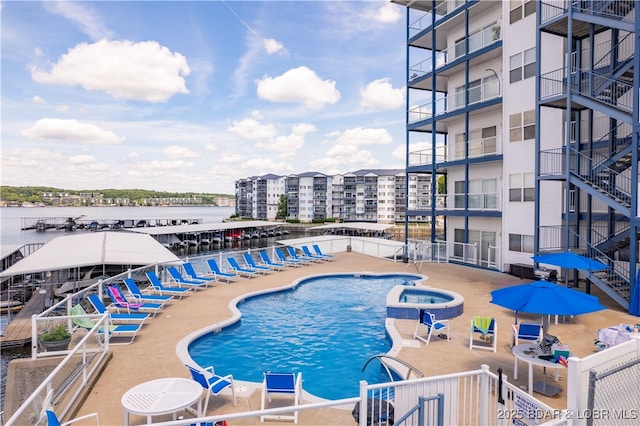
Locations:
{"points": [[424, 296], [326, 327]]}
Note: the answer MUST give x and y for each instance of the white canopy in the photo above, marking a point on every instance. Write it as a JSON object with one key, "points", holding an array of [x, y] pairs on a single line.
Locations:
{"points": [[359, 226], [94, 248]]}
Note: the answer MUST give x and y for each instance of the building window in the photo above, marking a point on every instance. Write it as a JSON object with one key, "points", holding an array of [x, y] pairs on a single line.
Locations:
{"points": [[522, 126], [521, 243], [521, 187], [519, 9], [522, 65]]}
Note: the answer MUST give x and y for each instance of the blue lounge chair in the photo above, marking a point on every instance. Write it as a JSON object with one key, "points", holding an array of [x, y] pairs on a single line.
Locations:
{"points": [[293, 255], [100, 308], [190, 270], [213, 383], [282, 258], [239, 270], [251, 264], [266, 260], [182, 281], [308, 255], [53, 420], [82, 320], [281, 383], [429, 320], [487, 328], [139, 296], [165, 290], [316, 248], [218, 273], [119, 301], [526, 331]]}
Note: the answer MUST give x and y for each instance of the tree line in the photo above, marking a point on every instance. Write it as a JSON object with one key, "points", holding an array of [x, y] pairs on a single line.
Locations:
{"points": [[34, 194]]}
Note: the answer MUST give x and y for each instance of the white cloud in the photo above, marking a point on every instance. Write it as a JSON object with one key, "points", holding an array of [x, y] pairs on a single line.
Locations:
{"points": [[38, 100], [261, 166], [179, 152], [81, 159], [62, 108], [388, 13], [291, 143], [143, 71], [362, 136], [158, 167], [272, 46], [380, 95], [71, 131], [82, 16], [251, 129], [299, 85]]}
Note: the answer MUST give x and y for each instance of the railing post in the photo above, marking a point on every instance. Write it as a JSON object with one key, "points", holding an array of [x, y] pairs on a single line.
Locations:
{"points": [[34, 336], [362, 421], [483, 417]]}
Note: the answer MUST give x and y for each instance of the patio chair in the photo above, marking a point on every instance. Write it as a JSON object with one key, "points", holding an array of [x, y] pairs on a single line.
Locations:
{"points": [[139, 296], [212, 383], [530, 332], [81, 320], [191, 271], [52, 417], [484, 329], [308, 255], [430, 322], [266, 260], [251, 264], [183, 282], [281, 383], [101, 308], [239, 270], [282, 258], [119, 301], [293, 255], [218, 273], [157, 285], [319, 252]]}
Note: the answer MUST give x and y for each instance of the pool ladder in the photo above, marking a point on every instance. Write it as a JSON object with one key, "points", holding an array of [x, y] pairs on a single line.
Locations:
{"points": [[381, 357]]}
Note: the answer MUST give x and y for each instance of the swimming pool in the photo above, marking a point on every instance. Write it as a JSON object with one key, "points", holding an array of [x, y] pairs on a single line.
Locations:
{"points": [[326, 327]]}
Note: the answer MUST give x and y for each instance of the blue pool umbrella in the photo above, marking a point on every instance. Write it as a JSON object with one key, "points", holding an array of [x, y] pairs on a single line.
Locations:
{"points": [[570, 260], [545, 298]]}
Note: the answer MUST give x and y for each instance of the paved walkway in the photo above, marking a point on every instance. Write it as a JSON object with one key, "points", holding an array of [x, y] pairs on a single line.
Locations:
{"points": [[153, 354]]}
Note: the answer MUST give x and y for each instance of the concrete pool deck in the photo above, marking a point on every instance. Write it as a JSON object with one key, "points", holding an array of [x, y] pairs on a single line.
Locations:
{"points": [[153, 353]]}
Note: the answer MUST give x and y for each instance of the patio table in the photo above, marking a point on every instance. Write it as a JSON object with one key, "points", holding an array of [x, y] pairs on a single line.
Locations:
{"points": [[530, 354], [162, 396]]}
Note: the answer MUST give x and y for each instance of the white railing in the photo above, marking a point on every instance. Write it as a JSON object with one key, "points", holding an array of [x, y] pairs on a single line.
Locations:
{"points": [[70, 378], [449, 103]]}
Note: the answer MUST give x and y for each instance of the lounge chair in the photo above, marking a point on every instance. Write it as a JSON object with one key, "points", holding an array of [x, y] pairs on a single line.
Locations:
{"points": [[266, 260], [218, 273], [100, 308], [212, 383], [430, 322], [484, 333], [81, 319], [282, 258], [165, 290], [139, 296], [281, 383], [182, 281], [526, 331], [190, 270], [239, 270], [293, 255], [308, 255], [251, 264], [52, 419], [319, 252], [119, 301]]}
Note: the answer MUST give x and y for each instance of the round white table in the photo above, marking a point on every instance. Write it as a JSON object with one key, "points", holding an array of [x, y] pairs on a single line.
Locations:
{"points": [[162, 396], [529, 353]]}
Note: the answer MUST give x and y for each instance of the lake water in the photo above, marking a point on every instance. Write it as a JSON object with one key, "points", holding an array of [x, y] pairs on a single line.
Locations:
{"points": [[11, 235]]}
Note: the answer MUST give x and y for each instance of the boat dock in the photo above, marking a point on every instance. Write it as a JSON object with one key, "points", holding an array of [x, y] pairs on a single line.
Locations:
{"points": [[18, 331], [42, 224]]}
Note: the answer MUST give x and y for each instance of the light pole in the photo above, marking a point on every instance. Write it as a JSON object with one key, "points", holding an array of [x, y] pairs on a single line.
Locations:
{"points": [[497, 78]]}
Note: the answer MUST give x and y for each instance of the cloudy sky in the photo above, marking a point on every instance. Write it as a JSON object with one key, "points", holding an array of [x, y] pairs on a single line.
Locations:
{"points": [[192, 95]]}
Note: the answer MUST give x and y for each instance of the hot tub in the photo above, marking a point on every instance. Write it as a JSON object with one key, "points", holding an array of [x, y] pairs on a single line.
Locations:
{"points": [[405, 302]]}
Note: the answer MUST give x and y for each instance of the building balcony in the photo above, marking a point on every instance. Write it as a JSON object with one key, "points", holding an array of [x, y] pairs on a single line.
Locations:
{"points": [[487, 201]]}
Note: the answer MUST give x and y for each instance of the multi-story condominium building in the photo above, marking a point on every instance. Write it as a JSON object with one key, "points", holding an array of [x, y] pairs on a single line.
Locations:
{"points": [[529, 112], [258, 197], [309, 196]]}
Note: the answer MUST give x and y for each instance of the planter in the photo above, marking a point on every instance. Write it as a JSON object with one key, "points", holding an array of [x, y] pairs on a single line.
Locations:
{"points": [[349, 249], [55, 345]]}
